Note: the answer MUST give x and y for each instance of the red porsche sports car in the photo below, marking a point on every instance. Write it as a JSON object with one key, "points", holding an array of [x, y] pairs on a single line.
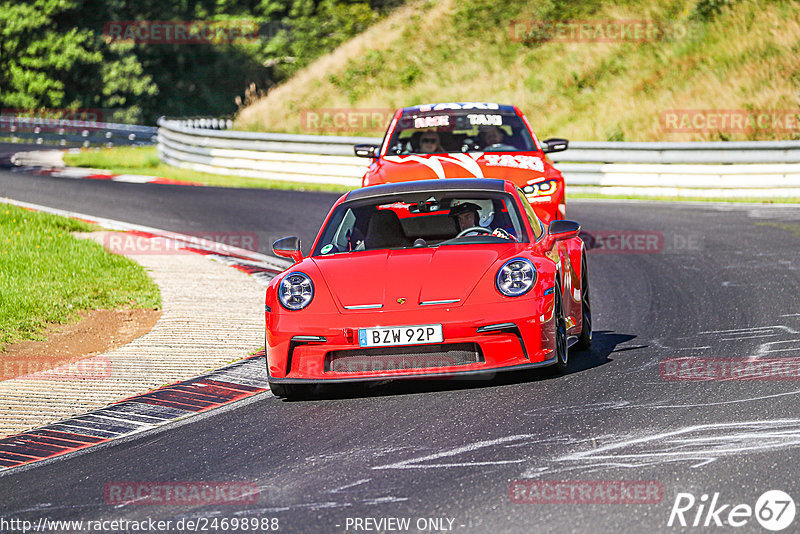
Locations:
{"points": [[430, 278], [469, 140]]}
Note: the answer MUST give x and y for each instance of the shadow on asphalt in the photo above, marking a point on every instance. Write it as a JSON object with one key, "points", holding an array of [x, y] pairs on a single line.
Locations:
{"points": [[604, 343]]}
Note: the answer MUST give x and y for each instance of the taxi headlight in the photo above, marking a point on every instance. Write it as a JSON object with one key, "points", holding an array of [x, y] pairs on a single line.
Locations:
{"points": [[540, 189]]}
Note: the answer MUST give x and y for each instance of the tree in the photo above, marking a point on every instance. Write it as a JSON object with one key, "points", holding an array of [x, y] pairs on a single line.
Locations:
{"points": [[51, 62], [56, 53]]}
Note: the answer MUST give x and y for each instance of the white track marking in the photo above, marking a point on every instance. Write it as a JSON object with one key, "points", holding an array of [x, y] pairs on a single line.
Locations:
{"points": [[752, 329], [766, 348], [699, 443], [413, 463], [385, 500], [348, 486]]}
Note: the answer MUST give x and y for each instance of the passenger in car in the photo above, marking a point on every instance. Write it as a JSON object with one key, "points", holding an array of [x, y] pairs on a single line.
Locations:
{"points": [[430, 143], [492, 135]]}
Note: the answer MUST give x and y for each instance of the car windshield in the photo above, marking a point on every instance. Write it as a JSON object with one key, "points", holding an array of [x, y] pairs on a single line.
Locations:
{"points": [[422, 220], [483, 130]]}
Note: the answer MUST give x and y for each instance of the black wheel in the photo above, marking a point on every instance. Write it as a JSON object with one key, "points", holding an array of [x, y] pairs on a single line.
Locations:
{"points": [[585, 339], [562, 355]]}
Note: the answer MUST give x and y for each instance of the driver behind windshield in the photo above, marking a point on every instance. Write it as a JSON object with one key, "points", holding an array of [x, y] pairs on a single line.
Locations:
{"points": [[491, 135], [467, 215]]}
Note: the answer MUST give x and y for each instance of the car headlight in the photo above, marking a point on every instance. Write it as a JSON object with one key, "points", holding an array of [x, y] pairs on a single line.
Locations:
{"points": [[295, 291], [547, 187], [515, 277]]}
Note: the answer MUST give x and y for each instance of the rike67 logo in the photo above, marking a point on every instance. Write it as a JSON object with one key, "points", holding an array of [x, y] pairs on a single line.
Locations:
{"points": [[774, 510]]}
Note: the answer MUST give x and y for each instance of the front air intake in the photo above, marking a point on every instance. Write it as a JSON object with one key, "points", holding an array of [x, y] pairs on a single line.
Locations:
{"points": [[380, 359]]}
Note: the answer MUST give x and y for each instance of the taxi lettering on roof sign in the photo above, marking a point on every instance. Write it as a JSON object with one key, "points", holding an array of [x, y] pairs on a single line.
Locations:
{"points": [[480, 119], [458, 105], [431, 122], [520, 162]]}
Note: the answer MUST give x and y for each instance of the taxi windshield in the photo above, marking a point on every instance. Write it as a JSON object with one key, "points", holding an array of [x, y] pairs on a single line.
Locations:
{"points": [[449, 131], [454, 218]]}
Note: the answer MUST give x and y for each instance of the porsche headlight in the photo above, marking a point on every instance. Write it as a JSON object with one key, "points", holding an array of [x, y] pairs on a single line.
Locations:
{"points": [[295, 291], [515, 277]]}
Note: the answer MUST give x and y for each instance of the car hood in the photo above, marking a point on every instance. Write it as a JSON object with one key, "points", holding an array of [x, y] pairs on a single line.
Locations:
{"points": [[521, 167], [382, 277]]}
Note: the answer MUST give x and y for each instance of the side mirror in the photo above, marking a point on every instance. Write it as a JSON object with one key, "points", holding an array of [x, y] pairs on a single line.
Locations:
{"points": [[563, 229], [288, 247], [367, 151], [560, 230], [554, 144]]}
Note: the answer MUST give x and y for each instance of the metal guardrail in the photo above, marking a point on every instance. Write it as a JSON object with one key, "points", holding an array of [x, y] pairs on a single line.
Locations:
{"points": [[299, 158], [273, 142], [329, 159], [717, 152], [70, 133]]}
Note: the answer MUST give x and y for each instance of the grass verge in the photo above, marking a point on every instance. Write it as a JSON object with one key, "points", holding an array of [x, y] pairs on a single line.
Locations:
{"points": [[47, 275], [144, 160]]}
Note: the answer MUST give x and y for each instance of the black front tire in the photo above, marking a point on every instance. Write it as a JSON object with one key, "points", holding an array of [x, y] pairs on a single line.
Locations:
{"points": [[562, 354], [585, 338]]}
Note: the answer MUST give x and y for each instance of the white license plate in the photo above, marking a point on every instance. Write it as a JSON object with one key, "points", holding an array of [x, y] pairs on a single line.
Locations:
{"points": [[400, 335]]}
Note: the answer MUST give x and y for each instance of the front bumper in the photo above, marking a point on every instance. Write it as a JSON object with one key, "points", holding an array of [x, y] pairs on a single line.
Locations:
{"points": [[514, 334]]}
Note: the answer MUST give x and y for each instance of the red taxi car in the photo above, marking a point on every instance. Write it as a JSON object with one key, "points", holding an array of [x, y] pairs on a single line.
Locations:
{"points": [[469, 140], [430, 278]]}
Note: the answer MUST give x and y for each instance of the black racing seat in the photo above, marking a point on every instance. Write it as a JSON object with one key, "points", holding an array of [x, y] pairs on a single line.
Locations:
{"points": [[385, 231]]}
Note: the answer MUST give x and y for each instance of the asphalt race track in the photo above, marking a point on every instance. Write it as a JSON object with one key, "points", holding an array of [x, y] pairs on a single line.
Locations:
{"points": [[712, 282]]}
